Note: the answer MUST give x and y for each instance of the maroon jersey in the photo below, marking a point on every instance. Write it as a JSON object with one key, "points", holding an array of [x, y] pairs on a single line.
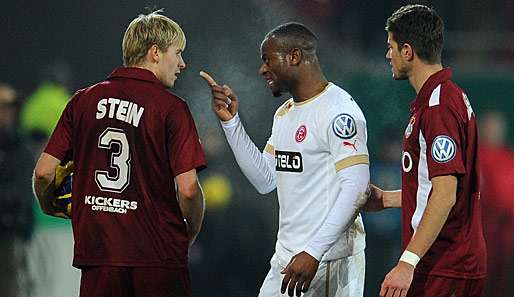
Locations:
{"points": [[129, 137], [441, 139]]}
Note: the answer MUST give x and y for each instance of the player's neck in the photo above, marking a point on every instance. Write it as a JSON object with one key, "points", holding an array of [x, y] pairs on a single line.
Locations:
{"points": [[152, 67], [420, 74], [309, 86]]}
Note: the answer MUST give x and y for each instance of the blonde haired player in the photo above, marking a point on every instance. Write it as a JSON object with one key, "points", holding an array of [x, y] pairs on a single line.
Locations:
{"points": [[137, 204], [317, 160]]}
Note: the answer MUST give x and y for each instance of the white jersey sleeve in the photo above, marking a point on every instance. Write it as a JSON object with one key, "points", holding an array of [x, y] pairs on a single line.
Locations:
{"points": [[353, 181], [259, 168], [346, 135], [345, 130]]}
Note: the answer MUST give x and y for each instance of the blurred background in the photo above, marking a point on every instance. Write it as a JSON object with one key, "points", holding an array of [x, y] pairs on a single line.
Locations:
{"points": [[52, 48]]}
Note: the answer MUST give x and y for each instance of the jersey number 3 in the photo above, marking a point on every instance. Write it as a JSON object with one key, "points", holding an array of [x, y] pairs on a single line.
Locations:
{"points": [[120, 161]]}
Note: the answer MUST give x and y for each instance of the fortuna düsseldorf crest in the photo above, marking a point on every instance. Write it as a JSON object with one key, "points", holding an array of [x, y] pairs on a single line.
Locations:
{"points": [[301, 133]]}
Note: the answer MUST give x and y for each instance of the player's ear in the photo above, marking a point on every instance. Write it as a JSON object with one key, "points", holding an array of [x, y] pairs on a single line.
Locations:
{"points": [[407, 52], [295, 56], [153, 53]]}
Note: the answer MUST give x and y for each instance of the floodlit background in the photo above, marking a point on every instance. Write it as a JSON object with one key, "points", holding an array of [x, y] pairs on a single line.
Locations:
{"points": [[49, 49]]}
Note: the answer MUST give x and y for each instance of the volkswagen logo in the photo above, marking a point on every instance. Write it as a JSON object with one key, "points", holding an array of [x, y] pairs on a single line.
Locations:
{"points": [[344, 126], [443, 149]]}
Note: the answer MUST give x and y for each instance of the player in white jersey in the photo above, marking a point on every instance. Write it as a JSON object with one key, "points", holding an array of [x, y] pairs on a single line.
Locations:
{"points": [[317, 159]]}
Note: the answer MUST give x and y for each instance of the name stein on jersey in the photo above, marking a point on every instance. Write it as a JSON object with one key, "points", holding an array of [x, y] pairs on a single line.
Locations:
{"points": [[108, 204], [122, 110]]}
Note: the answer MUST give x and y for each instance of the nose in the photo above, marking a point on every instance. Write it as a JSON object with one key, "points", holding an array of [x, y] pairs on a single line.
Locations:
{"points": [[181, 63], [388, 54], [263, 69]]}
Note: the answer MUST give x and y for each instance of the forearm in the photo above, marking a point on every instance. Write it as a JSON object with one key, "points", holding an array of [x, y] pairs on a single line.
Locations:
{"points": [[379, 199], [256, 166], [43, 187], [354, 181], [193, 209], [432, 221], [392, 199]]}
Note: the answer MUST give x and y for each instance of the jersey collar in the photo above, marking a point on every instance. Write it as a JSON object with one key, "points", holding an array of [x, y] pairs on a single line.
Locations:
{"points": [[426, 90], [135, 73], [313, 97]]}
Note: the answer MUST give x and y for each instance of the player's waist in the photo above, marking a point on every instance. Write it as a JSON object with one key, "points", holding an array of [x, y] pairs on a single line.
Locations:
{"points": [[346, 245]]}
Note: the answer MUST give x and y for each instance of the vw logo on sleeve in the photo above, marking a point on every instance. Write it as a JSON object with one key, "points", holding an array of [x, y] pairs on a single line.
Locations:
{"points": [[443, 149], [344, 126]]}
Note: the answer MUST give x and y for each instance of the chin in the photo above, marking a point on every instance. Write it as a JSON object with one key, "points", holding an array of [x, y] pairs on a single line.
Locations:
{"points": [[169, 84], [400, 76], [277, 93]]}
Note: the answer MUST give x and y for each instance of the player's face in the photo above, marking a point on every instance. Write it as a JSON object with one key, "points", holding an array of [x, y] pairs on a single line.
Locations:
{"points": [[169, 66], [274, 67], [398, 65]]}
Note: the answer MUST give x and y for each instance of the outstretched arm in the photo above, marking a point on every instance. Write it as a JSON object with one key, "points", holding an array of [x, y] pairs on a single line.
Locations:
{"points": [[379, 199]]}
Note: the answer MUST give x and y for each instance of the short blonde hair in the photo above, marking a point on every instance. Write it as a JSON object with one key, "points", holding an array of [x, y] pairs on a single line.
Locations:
{"points": [[147, 30]]}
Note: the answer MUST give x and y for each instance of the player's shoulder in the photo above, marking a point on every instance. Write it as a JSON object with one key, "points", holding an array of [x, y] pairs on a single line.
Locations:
{"points": [[82, 94], [174, 101], [337, 93], [448, 96], [338, 101], [284, 108]]}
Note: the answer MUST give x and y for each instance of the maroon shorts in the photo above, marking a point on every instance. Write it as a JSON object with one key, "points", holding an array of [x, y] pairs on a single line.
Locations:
{"points": [[439, 286], [112, 281]]}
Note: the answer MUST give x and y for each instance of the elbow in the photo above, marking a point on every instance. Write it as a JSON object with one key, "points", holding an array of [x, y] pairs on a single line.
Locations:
{"points": [[190, 192], [43, 174], [263, 191]]}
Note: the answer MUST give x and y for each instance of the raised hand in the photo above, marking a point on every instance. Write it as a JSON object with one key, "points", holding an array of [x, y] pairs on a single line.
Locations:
{"points": [[224, 100]]}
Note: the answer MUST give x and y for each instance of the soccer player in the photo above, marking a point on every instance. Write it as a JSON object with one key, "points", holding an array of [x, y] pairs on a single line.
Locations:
{"points": [[316, 158], [137, 203], [440, 195]]}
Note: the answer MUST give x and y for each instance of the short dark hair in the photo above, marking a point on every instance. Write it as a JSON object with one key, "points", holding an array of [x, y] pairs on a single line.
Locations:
{"points": [[421, 27], [295, 35]]}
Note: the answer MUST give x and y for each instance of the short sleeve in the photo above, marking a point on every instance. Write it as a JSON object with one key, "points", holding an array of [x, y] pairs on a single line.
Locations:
{"points": [[441, 127], [60, 143], [185, 149], [346, 133]]}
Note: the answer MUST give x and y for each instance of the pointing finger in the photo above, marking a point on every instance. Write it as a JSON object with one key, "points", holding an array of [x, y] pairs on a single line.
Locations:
{"points": [[208, 79]]}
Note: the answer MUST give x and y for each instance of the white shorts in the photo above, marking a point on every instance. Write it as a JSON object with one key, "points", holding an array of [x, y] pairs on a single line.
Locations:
{"points": [[345, 279]]}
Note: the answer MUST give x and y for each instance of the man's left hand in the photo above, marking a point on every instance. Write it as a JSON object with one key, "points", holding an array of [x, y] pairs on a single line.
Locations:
{"points": [[299, 273], [397, 281]]}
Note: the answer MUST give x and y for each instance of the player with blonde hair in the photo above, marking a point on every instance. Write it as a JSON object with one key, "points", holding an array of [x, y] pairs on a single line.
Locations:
{"points": [[136, 201]]}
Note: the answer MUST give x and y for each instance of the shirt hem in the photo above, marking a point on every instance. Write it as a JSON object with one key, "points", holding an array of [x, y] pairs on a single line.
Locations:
{"points": [[84, 263], [450, 274]]}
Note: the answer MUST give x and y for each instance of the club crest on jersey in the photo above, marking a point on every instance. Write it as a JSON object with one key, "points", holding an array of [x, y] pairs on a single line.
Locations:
{"points": [[443, 149], [408, 130], [301, 133], [344, 126]]}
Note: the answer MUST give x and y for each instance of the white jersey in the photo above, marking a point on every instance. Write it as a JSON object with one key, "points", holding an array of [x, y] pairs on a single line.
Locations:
{"points": [[311, 142]]}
